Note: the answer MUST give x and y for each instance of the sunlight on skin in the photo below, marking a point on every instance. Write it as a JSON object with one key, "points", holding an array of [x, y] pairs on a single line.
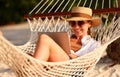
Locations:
{"points": [[1, 33]]}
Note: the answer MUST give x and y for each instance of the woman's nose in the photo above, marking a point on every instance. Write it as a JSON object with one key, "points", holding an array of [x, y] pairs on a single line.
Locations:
{"points": [[76, 26]]}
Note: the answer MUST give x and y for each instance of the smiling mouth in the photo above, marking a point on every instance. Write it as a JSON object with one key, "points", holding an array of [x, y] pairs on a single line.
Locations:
{"points": [[78, 31]]}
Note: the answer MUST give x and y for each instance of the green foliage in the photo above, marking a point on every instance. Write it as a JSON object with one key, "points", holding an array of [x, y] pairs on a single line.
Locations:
{"points": [[13, 11]]}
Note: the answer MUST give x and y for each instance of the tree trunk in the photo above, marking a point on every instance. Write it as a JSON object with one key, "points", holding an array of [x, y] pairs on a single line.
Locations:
{"points": [[118, 6], [119, 3]]}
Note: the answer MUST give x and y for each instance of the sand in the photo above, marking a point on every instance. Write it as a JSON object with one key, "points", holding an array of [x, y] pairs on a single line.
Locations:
{"points": [[22, 31]]}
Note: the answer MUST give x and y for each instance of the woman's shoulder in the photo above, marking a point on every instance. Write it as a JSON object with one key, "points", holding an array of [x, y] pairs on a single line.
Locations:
{"points": [[95, 43], [89, 40]]}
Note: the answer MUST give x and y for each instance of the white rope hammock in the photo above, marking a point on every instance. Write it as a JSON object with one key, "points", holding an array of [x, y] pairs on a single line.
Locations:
{"points": [[26, 66]]}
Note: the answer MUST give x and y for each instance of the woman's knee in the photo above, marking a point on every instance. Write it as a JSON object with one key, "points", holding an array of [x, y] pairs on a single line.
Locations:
{"points": [[44, 37]]}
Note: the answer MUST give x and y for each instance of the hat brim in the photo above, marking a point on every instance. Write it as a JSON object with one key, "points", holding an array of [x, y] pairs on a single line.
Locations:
{"points": [[96, 21]]}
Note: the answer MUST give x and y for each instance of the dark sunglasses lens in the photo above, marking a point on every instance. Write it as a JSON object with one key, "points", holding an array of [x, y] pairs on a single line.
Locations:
{"points": [[72, 23], [80, 23]]}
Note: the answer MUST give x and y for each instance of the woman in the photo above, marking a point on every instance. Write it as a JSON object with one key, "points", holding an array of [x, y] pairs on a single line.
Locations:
{"points": [[80, 22]]}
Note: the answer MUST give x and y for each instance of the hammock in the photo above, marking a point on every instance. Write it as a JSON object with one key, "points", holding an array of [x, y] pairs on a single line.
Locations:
{"points": [[26, 66]]}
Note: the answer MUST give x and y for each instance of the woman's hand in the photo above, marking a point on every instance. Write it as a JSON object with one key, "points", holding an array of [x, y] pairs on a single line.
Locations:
{"points": [[73, 56]]}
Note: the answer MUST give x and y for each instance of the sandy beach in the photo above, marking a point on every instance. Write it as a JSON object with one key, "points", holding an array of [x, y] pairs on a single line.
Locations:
{"points": [[20, 34]]}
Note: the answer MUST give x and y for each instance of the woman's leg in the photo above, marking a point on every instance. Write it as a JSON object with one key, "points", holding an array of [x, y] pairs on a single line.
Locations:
{"points": [[1, 33], [48, 50]]}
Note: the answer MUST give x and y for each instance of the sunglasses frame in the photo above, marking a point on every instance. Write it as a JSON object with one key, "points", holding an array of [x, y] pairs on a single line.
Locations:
{"points": [[79, 23]]}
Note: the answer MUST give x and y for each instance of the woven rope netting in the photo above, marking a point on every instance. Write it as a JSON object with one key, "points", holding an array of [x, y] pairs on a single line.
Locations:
{"points": [[26, 66]]}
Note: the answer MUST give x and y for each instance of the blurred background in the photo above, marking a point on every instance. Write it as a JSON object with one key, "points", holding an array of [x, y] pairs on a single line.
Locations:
{"points": [[13, 11], [12, 15], [12, 22]]}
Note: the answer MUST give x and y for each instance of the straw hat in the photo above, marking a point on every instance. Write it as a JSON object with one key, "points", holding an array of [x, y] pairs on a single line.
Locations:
{"points": [[83, 13]]}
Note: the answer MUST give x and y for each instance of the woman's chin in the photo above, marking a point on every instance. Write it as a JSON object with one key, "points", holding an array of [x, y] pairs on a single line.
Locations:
{"points": [[78, 34]]}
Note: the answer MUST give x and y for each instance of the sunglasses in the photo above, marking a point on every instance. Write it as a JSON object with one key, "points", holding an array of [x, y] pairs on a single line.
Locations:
{"points": [[79, 23]]}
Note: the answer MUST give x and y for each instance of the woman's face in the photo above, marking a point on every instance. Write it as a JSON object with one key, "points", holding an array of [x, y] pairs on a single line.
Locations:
{"points": [[80, 28]]}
